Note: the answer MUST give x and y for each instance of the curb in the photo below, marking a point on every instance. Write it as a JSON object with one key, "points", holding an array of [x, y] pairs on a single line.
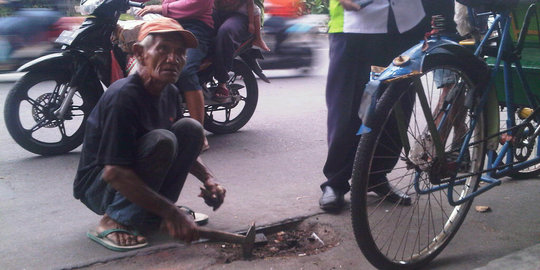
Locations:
{"points": [[525, 259], [267, 228]]}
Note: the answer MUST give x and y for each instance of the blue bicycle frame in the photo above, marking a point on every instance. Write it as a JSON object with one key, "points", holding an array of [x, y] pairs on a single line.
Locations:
{"points": [[413, 67], [496, 167]]}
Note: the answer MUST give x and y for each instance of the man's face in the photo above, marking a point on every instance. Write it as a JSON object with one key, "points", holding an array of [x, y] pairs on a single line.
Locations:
{"points": [[165, 57]]}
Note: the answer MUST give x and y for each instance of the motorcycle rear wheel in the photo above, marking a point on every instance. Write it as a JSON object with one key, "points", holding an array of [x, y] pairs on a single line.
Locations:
{"points": [[29, 113], [230, 117]]}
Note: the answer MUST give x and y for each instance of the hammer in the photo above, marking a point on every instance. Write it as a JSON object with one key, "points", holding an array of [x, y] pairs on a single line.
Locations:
{"points": [[247, 241]]}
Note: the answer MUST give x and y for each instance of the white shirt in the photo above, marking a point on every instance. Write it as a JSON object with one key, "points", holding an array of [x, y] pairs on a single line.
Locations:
{"points": [[373, 19]]}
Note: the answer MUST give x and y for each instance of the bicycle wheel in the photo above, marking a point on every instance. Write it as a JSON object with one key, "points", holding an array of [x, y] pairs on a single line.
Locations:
{"points": [[396, 236], [524, 146]]}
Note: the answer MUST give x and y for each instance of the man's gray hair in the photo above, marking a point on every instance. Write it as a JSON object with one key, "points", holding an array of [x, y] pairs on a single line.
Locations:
{"points": [[147, 41]]}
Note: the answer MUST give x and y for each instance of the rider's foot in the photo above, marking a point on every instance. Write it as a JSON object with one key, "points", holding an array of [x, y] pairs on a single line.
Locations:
{"points": [[222, 93], [119, 238], [261, 44]]}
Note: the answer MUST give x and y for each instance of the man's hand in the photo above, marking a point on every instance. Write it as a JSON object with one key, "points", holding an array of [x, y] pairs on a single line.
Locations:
{"points": [[213, 195], [150, 9], [180, 226], [349, 5]]}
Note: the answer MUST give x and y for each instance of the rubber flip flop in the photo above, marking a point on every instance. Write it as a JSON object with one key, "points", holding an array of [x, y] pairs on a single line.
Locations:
{"points": [[200, 218], [101, 238]]}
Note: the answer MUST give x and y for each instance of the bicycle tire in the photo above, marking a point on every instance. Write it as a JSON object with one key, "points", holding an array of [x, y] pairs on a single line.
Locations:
{"points": [[383, 229]]}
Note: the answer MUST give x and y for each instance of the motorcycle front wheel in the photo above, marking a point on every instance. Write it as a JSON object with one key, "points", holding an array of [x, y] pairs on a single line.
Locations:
{"points": [[231, 116], [30, 117]]}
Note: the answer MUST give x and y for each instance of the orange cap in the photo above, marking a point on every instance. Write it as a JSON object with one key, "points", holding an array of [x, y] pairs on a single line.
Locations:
{"points": [[167, 25]]}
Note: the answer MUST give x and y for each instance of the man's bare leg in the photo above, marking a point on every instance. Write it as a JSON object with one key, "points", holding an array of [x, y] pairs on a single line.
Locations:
{"points": [[195, 104], [119, 238]]}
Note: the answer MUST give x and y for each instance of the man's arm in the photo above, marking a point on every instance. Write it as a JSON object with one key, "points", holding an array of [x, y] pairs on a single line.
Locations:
{"points": [[178, 9], [212, 193], [128, 183]]}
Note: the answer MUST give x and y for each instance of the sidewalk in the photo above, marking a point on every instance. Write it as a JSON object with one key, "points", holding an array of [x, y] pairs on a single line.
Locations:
{"points": [[472, 247], [526, 259], [49, 232], [506, 238]]}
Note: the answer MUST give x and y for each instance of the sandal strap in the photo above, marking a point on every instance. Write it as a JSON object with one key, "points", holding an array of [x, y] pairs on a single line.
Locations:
{"points": [[105, 233]]}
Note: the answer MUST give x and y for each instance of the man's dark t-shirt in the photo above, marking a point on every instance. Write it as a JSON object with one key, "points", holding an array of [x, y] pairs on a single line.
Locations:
{"points": [[125, 112]]}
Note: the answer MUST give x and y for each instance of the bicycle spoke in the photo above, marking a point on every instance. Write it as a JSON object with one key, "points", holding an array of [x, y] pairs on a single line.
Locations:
{"points": [[413, 233]]}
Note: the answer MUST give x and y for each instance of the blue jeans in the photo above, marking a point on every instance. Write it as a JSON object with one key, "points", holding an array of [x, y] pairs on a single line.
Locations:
{"points": [[164, 158], [189, 80]]}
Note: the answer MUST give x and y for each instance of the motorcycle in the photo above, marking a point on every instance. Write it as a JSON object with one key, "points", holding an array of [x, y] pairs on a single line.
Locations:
{"points": [[46, 110], [291, 41], [29, 33]]}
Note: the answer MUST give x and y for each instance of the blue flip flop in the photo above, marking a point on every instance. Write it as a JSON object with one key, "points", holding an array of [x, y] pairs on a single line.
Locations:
{"points": [[101, 238]]}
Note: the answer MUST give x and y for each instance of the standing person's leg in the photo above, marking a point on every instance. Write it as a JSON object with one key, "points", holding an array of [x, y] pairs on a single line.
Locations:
{"points": [[347, 74], [230, 35], [390, 145]]}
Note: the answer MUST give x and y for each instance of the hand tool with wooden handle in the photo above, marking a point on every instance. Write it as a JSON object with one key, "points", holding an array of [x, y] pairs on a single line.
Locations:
{"points": [[247, 241]]}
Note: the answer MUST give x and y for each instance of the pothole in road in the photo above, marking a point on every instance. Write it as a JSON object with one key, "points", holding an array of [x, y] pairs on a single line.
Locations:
{"points": [[298, 240]]}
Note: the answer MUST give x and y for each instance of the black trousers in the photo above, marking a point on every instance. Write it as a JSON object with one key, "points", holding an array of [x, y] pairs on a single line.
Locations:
{"points": [[351, 58], [164, 158], [232, 31]]}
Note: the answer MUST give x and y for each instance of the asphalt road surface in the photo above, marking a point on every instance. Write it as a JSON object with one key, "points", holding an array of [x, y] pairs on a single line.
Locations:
{"points": [[41, 219], [272, 169]]}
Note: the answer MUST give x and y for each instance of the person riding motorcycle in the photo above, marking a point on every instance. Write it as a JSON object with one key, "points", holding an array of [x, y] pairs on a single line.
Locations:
{"points": [[236, 22], [281, 11], [24, 26]]}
